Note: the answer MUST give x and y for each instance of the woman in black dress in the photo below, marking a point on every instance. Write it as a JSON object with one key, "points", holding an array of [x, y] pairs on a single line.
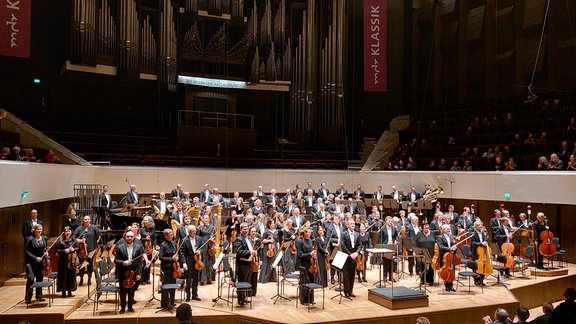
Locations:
{"points": [[205, 231], [267, 274], [305, 245], [366, 244], [66, 266], [322, 255], [289, 259], [36, 252]]}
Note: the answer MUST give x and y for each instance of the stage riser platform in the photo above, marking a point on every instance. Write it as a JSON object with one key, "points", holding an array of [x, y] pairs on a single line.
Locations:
{"points": [[542, 291]]}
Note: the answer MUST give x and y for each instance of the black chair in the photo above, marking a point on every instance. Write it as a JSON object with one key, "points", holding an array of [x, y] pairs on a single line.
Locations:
{"points": [[105, 273], [559, 252], [305, 286], [499, 268], [245, 287], [104, 289], [523, 262], [43, 284], [472, 265]]}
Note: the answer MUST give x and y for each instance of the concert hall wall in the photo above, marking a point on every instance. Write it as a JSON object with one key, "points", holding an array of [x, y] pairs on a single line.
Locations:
{"points": [[50, 190]]}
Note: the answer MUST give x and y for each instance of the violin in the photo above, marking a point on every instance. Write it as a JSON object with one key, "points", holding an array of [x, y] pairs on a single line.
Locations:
{"points": [[546, 247], [436, 258], [233, 236], [82, 248], [177, 273], [199, 264], [270, 252], [255, 266], [360, 262], [129, 277]]}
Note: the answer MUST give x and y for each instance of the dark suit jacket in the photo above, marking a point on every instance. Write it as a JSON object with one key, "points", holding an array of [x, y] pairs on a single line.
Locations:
{"points": [[130, 198], [301, 219], [309, 200], [384, 234], [187, 252], [27, 228], [213, 197], [104, 201], [177, 193], [241, 248], [476, 241], [342, 192], [346, 242], [204, 194], [400, 193], [352, 209], [409, 196], [270, 202], [323, 193], [121, 255], [359, 193]]}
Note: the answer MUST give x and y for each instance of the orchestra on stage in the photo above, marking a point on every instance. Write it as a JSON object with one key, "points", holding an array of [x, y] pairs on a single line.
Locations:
{"points": [[262, 238]]}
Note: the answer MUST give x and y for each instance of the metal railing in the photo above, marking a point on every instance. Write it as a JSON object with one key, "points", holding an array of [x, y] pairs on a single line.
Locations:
{"points": [[215, 119]]}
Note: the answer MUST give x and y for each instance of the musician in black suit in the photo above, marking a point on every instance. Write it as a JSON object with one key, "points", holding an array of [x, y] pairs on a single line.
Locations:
{"points": [[215, 196], [378, 194], [334, 234], [177, 192], [358, 193], [190, 248], [342, 192], [496, 221], [503, 235], [425, 239], [413, 196], [446, 245], [36, 252], [168, 256], [244, 254], [128, 269], [412, 231], [309, 199], [321, 214], [161, 206], [29, 223], [297, 219], [396, 194], [388, 235], [351, 207], [323, 192], [132, 196], [89, 235], [105, 198], [466, 219], [453, 215], [205, 193], [272, 199], [479, 238], [351, 246]]}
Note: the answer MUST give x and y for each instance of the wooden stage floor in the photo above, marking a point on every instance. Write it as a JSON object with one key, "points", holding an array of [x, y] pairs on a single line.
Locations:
{"points": [[444, 307]]}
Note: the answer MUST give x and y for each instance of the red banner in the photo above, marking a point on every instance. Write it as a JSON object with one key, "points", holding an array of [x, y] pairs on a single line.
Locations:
{"points": [[15, 28], [375, 69]]}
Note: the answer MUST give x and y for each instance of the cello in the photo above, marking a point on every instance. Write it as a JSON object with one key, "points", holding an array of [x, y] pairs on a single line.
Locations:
{"points": [[546, 247], [436, 258], [484, 265], [447, 272]]}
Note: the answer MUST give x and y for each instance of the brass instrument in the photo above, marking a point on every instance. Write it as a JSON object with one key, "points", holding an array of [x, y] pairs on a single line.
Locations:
{"points": [[433, 195]]}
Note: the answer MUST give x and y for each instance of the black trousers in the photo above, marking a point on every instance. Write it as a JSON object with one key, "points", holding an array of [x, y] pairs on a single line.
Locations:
{"points": [[124, 292], [192, 276], [348, 273]]}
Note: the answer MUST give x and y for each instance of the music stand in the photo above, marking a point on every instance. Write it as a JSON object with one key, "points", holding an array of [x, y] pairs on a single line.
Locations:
{"points": [[153, 275], [423, 254], [220, 267], [279, 282], [338, 263], [90, 256], [382, 249], [331, 259], [407, 244]]}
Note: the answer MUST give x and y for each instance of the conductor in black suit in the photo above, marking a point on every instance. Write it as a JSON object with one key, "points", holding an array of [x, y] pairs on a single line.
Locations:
{"points": [[188, 250], [388, 235], [126, 255], [351, 246], [244, 254]]}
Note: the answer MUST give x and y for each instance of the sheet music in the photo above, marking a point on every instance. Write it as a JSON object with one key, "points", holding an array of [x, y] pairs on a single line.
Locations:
{"points": [[339, 260], [278, 259], [218, 260]]}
